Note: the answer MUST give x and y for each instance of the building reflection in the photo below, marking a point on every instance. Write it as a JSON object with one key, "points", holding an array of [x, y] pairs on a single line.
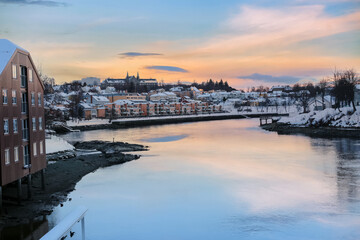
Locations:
{"points": [[348, 169], [34, 230]]}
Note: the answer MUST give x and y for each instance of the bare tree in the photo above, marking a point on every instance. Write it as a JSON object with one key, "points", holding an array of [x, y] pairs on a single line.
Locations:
{"points": [[344, 89], [304, 100], [323, 85]]}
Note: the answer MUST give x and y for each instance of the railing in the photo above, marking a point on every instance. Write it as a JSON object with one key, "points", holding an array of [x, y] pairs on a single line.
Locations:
{"points": [[61, 230]]}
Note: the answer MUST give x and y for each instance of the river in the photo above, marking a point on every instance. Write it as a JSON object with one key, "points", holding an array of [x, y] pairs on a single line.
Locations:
{"points": [[221, 180]]}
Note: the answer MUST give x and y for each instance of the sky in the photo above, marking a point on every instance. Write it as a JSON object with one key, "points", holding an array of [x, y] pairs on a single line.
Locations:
{"points": [[247, 43]]}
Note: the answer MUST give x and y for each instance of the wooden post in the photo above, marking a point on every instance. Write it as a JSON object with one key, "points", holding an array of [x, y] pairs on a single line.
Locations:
{"points": [[19, 192], [29, 186], [43, 179], [1, 200]]}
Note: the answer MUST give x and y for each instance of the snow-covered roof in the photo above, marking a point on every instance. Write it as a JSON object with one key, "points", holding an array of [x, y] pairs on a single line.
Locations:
{"points": [[122, 102], [101, 98], [7, 49]]}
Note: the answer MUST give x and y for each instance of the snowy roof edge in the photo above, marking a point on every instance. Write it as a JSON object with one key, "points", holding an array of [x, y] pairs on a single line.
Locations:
{"points": [[7, 50]]}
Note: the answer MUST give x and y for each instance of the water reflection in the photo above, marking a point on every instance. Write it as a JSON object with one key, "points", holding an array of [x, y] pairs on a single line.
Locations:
{"points": [[35, 229], [224, 180], [165, 138]]}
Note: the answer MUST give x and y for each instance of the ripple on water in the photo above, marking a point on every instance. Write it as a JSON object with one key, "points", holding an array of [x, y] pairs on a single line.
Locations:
{"points": [[165, 138]]}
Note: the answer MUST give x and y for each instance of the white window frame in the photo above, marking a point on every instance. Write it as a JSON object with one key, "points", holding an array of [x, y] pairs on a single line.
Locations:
{"points": [[40, 123], [7, 156], [16, 154], [30, 75], [33, 121], [34, 149], [39, 99], [4, 96], [15, 125], [13, 96], [41, 147], [6, 123], [13, 71], [33, 99]]}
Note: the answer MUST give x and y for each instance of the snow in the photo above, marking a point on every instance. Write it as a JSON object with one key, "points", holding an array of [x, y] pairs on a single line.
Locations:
{"points": [[94, 121], [328, 117], [7, 49], [57, 144]]}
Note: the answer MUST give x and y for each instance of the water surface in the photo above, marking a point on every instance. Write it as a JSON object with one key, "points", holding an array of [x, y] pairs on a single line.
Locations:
{"points": [[221, 180]]}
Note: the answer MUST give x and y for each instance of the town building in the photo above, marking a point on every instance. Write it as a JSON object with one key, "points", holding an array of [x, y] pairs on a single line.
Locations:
{"points": [[136, 81], [22, 128]]}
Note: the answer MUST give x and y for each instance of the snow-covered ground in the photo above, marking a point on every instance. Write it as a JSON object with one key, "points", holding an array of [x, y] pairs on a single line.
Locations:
{"points": [[328, 117], [94, 121], [57, 144]]}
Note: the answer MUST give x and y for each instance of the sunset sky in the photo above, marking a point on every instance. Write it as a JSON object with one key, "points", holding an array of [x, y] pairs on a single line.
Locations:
{"points": [[247, 43]]}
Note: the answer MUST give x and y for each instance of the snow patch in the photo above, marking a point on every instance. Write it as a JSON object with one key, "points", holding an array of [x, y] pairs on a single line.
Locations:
{"points": [[328, 117], [57, 144]]}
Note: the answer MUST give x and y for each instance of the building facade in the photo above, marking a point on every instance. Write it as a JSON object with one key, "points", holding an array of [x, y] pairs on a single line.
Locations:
{"points": [[22, 123]]}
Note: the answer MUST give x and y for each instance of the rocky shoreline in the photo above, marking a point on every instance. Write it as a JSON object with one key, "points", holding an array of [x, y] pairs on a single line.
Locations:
{"points": [[61, 177], [321, 132]]}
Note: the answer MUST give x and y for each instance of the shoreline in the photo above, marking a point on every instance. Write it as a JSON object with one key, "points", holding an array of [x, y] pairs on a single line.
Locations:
{"points": [[61, 178], [149, 121], [319, 132]]}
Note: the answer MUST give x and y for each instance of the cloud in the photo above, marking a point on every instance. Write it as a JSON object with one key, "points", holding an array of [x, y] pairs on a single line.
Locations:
{"points": [[167, 68], [137, 54], [259, 29], [269, 78], [35, 2]]}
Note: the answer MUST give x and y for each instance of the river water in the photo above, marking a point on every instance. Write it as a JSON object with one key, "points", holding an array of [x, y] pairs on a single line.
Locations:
{"points": [[220, 180]]}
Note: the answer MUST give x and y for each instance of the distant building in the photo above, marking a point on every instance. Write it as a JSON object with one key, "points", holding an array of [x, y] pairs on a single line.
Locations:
{"points": [[22, 128], [112, 82], [91, 81]]}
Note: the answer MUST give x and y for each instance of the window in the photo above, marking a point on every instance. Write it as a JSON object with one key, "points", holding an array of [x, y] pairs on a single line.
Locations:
{"points": [[5, 97], [33, 99], [26, 156], [15, 125], [39, 99], [40, 123], [41, 147], [24, 103], [14, 100], [34, 124], [7, 156], [23, 76], [30, 75], [25, 129], [6, 126], [16, 154], [14, 75], [34, 149]]}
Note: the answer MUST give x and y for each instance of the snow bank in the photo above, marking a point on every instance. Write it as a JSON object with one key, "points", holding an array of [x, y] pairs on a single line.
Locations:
{"points": [[57, 144], [328, 117], [94, 121]]}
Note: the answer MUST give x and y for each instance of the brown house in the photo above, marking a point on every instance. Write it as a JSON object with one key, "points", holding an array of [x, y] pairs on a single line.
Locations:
{"points": [[22, 131]]}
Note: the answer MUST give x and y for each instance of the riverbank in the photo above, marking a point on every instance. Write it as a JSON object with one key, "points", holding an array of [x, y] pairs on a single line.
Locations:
{"points": [[329, 123], [320, 132], [61, 177], [148, 121]]}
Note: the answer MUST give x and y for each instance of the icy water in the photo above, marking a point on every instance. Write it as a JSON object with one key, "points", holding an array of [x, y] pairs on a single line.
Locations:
{"points": [[221, 180]]}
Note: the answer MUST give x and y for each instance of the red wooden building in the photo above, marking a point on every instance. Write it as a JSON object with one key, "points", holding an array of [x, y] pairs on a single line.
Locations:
{"points": [[22, 124]]}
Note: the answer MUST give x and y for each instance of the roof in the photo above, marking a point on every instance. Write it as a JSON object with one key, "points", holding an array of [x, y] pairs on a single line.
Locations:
{"points": [[100, 98], [7, 49]]}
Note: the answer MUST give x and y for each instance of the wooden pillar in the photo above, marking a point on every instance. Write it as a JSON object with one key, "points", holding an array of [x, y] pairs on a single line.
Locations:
{"points": [[43, 179], [1, 208], [19, 191], [29, 186]]}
